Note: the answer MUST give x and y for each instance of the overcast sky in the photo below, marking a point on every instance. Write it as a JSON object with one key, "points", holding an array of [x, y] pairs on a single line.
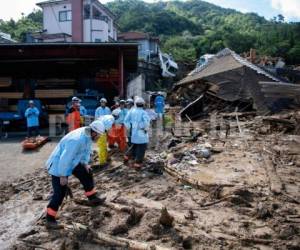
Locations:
{"points": [[268, 8]]}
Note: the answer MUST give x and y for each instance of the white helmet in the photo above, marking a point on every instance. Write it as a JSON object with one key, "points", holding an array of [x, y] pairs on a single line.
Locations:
{"points": [[103, 100], [116, 112], [98, 126], [139, 100], [76, 99], [107, 120], [130, 101]]}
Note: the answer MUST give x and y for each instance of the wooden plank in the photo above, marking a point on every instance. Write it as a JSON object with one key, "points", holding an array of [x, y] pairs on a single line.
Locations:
{"points": [[56, 107], [11, 95], [54, 93], [275, 183], [5, 81]]}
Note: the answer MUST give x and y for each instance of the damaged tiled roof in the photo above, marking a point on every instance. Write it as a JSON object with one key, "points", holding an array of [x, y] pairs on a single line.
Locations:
{"points": [[225, 60], [50, 36], [133, 35]]}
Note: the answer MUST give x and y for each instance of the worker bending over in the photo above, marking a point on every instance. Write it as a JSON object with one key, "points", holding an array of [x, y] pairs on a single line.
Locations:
{"points": [[73, 114], [139, 122], [117, 134], [102, 110], [32, 116], [71, 157]]}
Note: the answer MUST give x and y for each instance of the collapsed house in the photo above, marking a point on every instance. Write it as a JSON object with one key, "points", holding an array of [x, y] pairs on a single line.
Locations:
{"points": [[227, 82]]}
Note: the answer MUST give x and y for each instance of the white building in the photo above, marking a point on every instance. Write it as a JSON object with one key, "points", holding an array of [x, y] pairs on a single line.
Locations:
{"points": [[72, 21], [148, 45]]}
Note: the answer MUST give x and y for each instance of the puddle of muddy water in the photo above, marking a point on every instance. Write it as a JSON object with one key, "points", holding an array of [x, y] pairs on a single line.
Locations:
{"points": [[16, 217]]}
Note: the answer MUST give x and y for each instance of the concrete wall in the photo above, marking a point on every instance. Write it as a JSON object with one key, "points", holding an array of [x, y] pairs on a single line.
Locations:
{"points": [[51, 19], [136, 87], [58, 40], [99, 31], [146, 47]]}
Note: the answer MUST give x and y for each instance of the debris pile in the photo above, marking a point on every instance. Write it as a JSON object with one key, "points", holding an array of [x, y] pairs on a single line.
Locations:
{"points": [[227, 83], [215, 190]]}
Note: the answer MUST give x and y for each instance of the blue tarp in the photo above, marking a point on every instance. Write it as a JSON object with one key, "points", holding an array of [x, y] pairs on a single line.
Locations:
{"points": [[9, 116]]}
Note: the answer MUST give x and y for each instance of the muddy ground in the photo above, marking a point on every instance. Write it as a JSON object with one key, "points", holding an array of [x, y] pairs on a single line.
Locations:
{"points": [[15, 162], [244, 196]]}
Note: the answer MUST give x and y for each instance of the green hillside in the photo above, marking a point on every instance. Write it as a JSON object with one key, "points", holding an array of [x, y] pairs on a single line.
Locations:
{"points": [[191, 28]]}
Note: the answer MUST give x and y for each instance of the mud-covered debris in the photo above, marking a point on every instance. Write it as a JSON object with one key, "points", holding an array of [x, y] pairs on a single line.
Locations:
{"points": [[263, 211], [190, 215], [165, 218], [28, 233], [288, 231], [70, 244], [156, 229], [134, 217], [187, 242], [107, 214], [174, 142], [120, 229], [293, 245]]}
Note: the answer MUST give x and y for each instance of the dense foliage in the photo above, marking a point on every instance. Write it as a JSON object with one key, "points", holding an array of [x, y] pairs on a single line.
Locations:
{"points": [[18, 29], [191, 28], [188, 29]]}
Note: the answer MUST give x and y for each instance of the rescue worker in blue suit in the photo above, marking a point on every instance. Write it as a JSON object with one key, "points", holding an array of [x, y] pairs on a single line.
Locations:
{"points": [[159, 104], [71, 157], [138, 121], [122, 114], [83, 111], [102, 110], [129, 104], [32, 116]]}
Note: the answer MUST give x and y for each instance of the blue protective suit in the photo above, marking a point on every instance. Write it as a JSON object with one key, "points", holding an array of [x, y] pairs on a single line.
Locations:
{"points": [[122, 115], [100, 111], [74, 148], [83, 111], [138, 121], [159, 103], [32, 115]]}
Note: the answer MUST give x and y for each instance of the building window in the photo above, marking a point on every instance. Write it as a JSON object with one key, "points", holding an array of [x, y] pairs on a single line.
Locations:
{"points": [[86, 11], [65, 16], [97, 40], [96, 14]]}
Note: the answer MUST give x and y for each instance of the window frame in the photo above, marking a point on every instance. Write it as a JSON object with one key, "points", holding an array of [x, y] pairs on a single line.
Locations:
{"points": [[68, 16]]}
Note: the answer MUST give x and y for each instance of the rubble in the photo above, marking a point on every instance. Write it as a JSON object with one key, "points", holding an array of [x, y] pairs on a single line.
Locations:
{"points": [[228, 83], [235, 190]]}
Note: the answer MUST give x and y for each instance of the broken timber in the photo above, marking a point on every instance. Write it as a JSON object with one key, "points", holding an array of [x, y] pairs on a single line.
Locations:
{"points": [[115, 241], [275, 183]]}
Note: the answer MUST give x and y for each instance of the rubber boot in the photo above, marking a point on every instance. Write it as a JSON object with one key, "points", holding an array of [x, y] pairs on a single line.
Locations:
{"points": [[51, 223], [94, 200]]}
